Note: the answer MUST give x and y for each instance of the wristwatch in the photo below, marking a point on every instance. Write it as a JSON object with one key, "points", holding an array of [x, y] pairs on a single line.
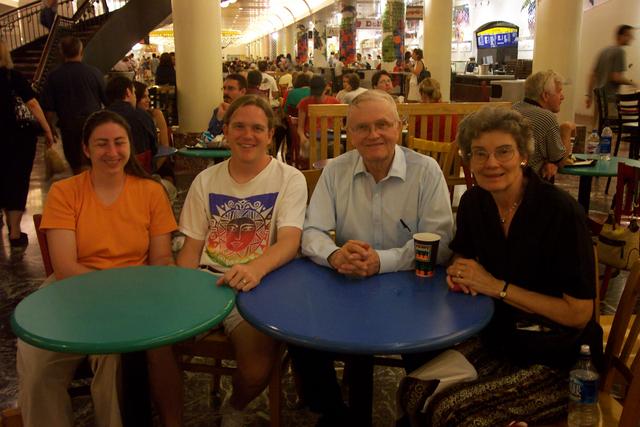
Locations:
{"points": [[503, 292]]}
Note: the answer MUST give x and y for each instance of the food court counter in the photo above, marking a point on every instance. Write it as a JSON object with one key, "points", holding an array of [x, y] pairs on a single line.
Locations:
{"points": [[474, 87]]}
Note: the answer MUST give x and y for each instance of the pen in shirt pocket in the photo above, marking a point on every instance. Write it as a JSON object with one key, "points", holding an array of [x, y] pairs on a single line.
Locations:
{"points": [[404, 225]]}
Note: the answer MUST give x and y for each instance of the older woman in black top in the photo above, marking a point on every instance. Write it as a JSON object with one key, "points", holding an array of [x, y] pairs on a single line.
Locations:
{"points": [[524, 243], [18, 145]]}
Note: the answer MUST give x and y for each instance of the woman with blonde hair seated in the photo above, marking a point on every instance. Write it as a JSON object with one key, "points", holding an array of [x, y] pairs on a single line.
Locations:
{"points": [[430, 94]]}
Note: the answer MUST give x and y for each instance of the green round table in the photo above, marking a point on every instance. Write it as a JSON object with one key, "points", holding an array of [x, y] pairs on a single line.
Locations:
{"points": [[204, 153], [122, 310], [606, 168]]}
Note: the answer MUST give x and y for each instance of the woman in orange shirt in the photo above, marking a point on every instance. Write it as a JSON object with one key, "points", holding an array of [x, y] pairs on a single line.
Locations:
{"points": [[110, 216]]}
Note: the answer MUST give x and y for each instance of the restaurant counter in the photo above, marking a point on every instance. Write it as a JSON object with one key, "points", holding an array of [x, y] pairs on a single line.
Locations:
{"points": [[474, 87]]}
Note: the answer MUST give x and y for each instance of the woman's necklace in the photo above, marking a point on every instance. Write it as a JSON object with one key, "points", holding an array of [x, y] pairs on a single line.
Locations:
{"points": [[503, 218]]}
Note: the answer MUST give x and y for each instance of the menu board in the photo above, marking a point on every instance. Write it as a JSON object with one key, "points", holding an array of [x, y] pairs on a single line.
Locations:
{"points": [[498, 37]]}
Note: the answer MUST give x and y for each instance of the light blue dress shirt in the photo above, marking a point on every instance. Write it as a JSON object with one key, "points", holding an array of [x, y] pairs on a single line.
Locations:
{"points": [[348, 200]]}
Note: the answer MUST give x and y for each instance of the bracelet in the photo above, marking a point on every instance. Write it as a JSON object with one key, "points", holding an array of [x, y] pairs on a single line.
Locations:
{"points": [[503, 292]]}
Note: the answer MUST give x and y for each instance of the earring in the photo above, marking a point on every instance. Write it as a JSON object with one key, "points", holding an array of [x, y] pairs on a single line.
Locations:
{"points": [[523, 163]]}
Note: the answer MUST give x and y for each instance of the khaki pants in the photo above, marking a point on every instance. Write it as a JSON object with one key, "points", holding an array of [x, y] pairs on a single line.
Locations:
{"points": [[44, 377]]}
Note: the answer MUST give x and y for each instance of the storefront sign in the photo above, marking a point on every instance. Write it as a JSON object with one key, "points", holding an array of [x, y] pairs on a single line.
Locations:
{"points": [[414, 12], [368, 24]]}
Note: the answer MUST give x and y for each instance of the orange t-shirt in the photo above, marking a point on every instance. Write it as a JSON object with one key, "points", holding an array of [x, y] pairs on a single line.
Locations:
{"points": [[111, 236]]}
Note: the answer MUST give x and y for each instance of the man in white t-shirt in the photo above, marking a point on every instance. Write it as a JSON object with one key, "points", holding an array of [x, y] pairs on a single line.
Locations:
{"points": [[243, 218], [268, 81]]}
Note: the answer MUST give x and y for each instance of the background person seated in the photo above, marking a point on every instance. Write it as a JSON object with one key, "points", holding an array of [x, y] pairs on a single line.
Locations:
{"points": [[121, 98], [351, 88]]}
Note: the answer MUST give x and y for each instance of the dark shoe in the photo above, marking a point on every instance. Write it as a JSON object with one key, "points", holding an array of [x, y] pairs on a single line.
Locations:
{"points": [[20, 242]]}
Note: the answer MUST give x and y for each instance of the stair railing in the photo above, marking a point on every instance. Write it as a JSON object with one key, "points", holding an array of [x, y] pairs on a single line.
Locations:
{"points": [[21, 26], [79, 21]]}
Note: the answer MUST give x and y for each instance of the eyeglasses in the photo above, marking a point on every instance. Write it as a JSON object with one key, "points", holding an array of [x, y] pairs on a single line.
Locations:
{"points": [[502, 154], [364, 129]]}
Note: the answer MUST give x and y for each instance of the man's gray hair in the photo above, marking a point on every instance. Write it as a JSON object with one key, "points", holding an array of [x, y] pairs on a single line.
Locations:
{"points": [[374, 95], [541, 82]]}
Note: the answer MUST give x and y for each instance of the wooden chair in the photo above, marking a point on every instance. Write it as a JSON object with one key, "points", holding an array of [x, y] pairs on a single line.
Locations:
{"points": [[293, 141], [323, 121], [624, 206], [44, 245], [312, 176], [206, 355], [439, 120], [11, 417], [620, 385], [628, 106], [446, 154]]}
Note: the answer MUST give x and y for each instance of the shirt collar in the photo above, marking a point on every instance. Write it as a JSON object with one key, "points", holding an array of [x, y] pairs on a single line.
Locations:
{"points": [[398, 166], [532, 102]]}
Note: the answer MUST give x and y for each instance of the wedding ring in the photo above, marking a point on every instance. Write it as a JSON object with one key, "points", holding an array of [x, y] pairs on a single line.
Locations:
{"points": [[459, 274], [244, 282]]}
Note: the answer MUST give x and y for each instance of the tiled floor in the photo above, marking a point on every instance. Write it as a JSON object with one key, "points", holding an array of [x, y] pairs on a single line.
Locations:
{"points": [[21, 272]]}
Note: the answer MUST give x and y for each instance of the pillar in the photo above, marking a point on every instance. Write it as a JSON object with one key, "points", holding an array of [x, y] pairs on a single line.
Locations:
{"points": [[320, 43], [290, 40], [196, 27], [348, 31], [559, 53], [393, 30], [437, 42]]}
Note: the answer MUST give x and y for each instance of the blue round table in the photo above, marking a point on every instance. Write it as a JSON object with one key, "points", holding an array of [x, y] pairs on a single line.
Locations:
{"points": [[314, 306], [122, 310]]}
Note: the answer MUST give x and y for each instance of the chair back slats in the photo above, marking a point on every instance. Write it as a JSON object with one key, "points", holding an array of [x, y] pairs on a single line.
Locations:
{"points": [[322, 118], [628, 106], [626, 199], [618, 350]]}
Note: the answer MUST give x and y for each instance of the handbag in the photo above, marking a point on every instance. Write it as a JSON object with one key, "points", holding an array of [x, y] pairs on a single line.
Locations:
{"points": [[24, 118], [618, 246], [423, 74]]}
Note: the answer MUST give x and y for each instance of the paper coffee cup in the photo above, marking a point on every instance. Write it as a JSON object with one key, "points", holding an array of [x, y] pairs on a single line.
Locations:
{"points": [[426, 253]]}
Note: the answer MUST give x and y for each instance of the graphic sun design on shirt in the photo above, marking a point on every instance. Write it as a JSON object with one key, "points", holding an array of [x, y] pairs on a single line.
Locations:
{"points": [[239, 228]]}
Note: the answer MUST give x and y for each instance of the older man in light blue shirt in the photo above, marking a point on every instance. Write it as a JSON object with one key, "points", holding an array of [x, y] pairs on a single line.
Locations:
{"points": [[375, 198]]}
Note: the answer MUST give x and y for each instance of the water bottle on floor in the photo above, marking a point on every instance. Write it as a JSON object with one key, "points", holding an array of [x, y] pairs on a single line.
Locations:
{"points": [[605, 143], [583, 392], [591, 145]]}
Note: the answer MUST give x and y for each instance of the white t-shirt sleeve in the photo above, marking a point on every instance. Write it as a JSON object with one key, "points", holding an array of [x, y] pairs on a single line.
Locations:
{"points": [[194, 218], [293, 203]]}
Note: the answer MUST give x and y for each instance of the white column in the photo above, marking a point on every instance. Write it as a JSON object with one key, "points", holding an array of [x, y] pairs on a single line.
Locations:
{"points": [[320, 55], [559, 53], [196, 25], [291, 40], [437, 42]]}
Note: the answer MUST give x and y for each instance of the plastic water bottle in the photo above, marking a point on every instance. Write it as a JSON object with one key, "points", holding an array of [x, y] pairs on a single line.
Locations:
{"points": [[605, 143], [583, 392], [592, 143]]}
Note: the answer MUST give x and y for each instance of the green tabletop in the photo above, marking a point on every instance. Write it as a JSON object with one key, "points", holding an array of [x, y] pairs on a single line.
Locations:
{"points": [[601, 168], [122, 310], [204, 153]]}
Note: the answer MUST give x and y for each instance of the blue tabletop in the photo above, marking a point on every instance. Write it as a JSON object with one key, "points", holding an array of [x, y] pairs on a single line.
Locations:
{"points": [[122, 310], [601, 168], [313, 306]]}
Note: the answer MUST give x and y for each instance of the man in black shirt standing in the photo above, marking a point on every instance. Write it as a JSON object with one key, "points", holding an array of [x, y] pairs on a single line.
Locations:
{"points": [[73, 91]]}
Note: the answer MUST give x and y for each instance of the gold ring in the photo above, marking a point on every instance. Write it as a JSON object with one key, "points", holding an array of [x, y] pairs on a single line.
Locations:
{"points": [[459, 274], [244, 282]]}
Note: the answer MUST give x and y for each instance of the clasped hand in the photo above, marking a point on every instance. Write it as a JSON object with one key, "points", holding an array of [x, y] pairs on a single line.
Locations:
{"points": [[468, 276], [356, 258]]}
